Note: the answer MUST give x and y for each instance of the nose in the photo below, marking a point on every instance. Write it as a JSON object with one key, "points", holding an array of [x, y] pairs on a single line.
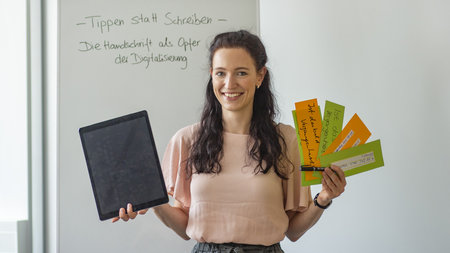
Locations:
{"points": [[230, 82]]}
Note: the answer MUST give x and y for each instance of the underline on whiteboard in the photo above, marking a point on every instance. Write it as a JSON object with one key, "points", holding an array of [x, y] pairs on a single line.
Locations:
{"points": [[222, 19], [81, 23]]}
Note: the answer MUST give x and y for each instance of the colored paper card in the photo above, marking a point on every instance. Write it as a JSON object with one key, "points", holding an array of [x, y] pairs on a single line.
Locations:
{"points": [[354, 133], [294, 116], [353, 160], [356, 159], [309, 123], [315, 174], [333, 119], [303, 180], [311, 180], [309, 126]]}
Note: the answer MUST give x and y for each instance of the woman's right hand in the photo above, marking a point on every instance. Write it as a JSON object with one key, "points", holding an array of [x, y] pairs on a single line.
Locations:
{"points": [[125, 216]]}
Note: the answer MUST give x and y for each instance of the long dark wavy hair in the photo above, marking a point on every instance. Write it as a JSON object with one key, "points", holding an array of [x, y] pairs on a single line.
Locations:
{"points": [[268, 147]]}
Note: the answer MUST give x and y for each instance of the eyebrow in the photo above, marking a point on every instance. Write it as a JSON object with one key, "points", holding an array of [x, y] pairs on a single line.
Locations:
{"points": [[238, 68]]}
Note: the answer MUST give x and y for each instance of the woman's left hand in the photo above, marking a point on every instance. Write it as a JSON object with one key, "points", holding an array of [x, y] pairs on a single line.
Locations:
{"points": [[333, 184]]}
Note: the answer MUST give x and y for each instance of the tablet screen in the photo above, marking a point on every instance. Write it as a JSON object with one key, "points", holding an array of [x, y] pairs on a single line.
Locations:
{"points": [[123, 164]]}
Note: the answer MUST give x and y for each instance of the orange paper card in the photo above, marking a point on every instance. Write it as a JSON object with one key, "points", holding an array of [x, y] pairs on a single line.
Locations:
{"points": [[309, 127], [354, 133]]}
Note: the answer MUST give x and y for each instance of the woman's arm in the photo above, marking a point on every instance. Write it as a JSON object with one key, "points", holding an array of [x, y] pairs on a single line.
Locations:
{"points": [[299, 223], [333, 185], [174, 217]]}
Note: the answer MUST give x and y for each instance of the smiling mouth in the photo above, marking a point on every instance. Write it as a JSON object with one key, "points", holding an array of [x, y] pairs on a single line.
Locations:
{"points": [[232, 95]]}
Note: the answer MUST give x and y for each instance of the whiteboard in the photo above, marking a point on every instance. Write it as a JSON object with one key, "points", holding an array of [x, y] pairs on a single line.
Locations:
{"points": [[119, 57]]}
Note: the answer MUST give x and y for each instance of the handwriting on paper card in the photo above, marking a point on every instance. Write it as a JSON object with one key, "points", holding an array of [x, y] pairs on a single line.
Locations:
{"points": [[332, 124], [356, 161], [354, 133], [342, 144], [310, 127]]}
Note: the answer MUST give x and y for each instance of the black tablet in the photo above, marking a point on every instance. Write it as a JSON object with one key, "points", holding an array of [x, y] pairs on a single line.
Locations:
{"points": [[123, 164]]}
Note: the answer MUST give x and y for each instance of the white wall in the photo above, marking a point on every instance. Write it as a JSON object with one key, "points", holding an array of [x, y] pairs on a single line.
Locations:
{"points": [[388, 61], [13, 111]]}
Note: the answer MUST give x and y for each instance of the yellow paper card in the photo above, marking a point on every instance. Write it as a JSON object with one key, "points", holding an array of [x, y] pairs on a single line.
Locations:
{"points": [[309, 127], [354, 133]]}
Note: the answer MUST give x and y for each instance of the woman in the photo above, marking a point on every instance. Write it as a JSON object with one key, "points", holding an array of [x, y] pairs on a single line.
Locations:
{"points": [[234, 176]]}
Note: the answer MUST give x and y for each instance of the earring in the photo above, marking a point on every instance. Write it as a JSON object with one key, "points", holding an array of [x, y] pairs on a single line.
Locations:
{"points": [[257, 86]]}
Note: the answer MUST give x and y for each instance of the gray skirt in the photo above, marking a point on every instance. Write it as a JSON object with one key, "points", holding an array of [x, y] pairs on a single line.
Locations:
{"points": [[204, 247]]}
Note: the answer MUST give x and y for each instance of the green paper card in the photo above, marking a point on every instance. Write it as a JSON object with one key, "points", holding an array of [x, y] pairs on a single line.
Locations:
{"points": [[333, 119], [357, 159], [353, 160]]}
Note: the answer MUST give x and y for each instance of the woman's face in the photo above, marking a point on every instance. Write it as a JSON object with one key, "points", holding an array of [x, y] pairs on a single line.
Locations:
{"points": [[235, 78]]}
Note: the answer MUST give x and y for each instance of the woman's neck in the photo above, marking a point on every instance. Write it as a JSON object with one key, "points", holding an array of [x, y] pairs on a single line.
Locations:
{"points": [[236, 123]]}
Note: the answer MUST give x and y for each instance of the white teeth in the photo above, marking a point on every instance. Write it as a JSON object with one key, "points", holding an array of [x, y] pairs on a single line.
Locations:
{"points": [[232, 95]]}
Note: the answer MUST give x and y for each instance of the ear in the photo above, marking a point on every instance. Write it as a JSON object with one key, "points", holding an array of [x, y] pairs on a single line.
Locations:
{"points": [[261, 74], [210, 71]]}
